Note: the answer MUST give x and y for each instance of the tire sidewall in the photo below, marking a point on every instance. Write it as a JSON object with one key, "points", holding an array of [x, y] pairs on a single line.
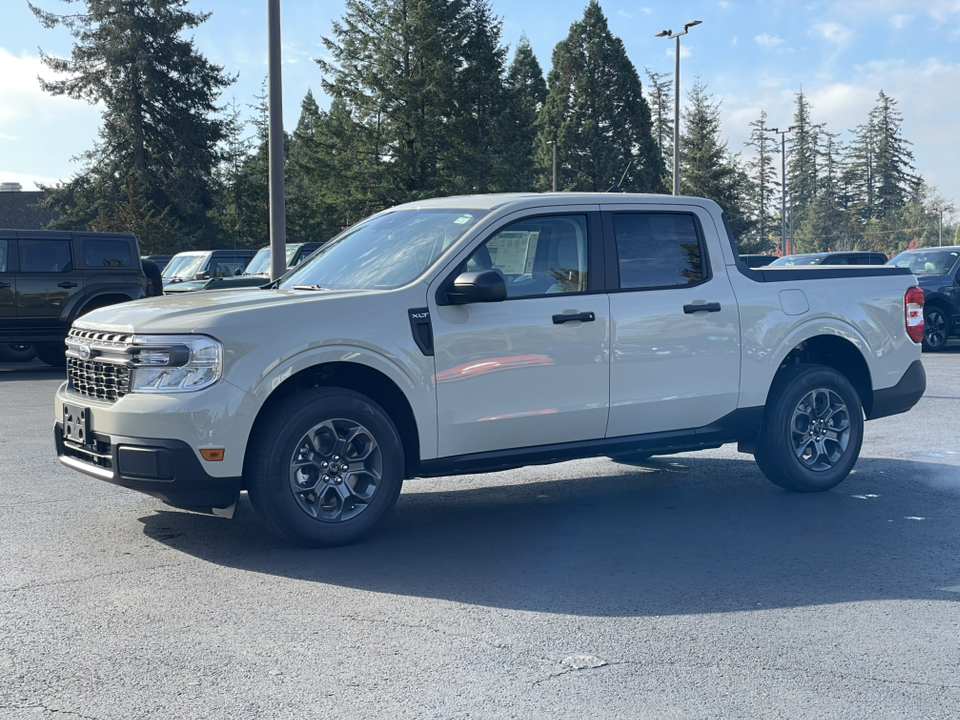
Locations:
{"points": [[777, 457], [270, 482]]}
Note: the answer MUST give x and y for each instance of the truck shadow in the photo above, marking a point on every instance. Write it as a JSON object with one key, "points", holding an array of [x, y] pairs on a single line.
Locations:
{"points": [[678, 536]]}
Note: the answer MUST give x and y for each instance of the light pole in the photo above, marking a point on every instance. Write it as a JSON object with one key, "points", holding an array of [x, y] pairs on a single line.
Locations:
{"points": [[676, 101], [783, 179], [278, 210], [554, 144]]}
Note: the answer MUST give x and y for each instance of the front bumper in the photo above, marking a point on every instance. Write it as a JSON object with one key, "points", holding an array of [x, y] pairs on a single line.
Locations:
{"points": [[166, 469]]}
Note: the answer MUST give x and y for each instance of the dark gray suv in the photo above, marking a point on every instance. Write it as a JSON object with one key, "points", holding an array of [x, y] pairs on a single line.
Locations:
{"points": [[49, 278]]}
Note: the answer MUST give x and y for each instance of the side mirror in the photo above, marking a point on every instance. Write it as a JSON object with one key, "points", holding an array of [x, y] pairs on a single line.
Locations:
{"points": [[202, 276], [478, 286]]}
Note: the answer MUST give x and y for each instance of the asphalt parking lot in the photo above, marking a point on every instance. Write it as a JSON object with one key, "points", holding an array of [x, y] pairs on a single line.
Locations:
{"points": [[688, 587]]}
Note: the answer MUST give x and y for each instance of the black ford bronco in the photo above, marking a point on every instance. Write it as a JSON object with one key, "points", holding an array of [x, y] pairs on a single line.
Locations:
{"points": [[49, 278]]}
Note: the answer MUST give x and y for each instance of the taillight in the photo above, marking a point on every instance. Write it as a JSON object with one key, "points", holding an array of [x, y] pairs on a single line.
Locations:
{"points": [[913, 313]]}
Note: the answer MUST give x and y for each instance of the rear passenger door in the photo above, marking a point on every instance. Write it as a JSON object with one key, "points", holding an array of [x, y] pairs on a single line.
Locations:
{"points": [[108, 259], [8, 281], [46, 279], [675, 338]]}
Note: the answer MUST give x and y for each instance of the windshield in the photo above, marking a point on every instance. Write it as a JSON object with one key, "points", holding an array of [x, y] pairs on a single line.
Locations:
{"points": [[191, 267], [791, 260], [927, 262], [260, 264], [173, 267], [386, 251]]}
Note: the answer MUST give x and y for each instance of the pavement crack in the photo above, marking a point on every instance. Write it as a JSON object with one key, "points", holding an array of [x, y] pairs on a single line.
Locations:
{"points": [[69, 713]]}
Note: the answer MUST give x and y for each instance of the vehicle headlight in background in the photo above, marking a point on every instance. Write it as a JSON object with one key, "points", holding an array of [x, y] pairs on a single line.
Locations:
{"points": [[174, 363]]}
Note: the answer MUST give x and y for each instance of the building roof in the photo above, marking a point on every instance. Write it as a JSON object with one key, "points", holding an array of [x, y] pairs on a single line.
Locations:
{"points": [[17, 211]]}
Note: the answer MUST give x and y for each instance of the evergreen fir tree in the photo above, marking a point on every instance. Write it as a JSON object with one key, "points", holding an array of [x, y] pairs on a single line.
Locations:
{"points": [[660, 97], [160, 134], [707, 169], [802, 144], [394, 65], [596, 113], [763, 175], [526, 94], [893, 159]]}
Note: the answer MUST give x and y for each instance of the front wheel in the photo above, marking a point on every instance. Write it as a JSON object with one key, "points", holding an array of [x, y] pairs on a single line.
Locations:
{"points": [[17, 352], [327, 466], [936, 329], [812, 429]]}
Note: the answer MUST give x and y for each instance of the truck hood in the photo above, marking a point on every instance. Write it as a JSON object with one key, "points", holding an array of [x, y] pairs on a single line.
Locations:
{"points": [[206, 311]]}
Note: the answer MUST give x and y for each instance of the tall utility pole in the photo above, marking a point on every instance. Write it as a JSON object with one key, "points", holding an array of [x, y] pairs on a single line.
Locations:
{"points": [[676, 100], [554, 144], [784, 249], [278, 209]]}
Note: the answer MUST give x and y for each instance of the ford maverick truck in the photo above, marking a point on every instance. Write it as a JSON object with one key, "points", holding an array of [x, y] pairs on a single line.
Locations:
{"points": [[474, 334]]}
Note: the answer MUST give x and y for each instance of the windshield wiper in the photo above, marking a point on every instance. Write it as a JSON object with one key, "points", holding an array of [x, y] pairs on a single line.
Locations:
{"points": [[308, 287]]}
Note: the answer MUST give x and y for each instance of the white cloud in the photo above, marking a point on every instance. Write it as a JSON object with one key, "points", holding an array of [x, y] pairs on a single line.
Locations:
{"points": [[648, 11], [624, 13], [898, 22], [4, 136], [734, 40], [834, 32], [768, 41], [724, 5]]}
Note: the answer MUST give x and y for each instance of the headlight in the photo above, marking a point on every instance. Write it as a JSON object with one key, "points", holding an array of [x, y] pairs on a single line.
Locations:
{"points": [[174, 363]]}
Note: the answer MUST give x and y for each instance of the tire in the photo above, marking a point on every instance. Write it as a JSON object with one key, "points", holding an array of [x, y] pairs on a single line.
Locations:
{"points": [[812, 429], [53, 354], [152, 271], [290, 473], [632, 458], [936, 329], [17, 352]]}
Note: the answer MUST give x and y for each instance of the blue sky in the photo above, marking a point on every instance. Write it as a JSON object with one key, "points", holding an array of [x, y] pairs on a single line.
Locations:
{"points": [[753, 55]]}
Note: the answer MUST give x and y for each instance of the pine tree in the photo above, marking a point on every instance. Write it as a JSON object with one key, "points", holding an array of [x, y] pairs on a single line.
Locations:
{"points": [[763, 175], [596, 113], [660, 96], [893, 159], [707, 169], [526, 94], [480, 104], [823, 224], [802, 142], [394, 65], [161, 129]]}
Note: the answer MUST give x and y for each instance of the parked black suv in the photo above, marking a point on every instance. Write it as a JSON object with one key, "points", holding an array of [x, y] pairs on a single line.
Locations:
{"points": [[49, 278], [938, 274]]}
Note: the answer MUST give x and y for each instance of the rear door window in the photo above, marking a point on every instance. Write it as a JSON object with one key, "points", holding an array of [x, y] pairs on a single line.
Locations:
{"points": [[4, 255], [107, 253], [658, 250], [44, 256]]}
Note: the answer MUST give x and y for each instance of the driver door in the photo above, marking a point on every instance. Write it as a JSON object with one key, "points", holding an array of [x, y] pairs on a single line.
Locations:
{"points": [[534, 369]]}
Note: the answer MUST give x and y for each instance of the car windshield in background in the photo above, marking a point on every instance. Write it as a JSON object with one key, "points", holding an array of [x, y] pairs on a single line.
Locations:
{"points": [[930, 262], [384, 252], [184, 266], [260, 264], [791, 260]]}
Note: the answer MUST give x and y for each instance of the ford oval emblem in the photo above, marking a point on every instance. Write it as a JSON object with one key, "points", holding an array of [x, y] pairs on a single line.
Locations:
{"points": [[84, 352]]}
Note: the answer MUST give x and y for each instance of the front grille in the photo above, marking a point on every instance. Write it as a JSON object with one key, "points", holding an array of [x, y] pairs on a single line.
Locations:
{"points": [[100, 380], [102, 371]]}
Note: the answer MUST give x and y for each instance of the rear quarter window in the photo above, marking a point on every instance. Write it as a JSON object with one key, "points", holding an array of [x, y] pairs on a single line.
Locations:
{"points": [[107, 253]]}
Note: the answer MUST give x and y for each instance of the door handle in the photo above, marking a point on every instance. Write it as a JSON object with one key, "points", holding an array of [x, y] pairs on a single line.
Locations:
{"points": [[67, 284], [582, 317], [701, 307]]}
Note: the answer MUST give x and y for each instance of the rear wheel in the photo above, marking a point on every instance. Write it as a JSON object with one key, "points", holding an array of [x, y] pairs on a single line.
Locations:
{"points": [[327, 466], [812, 429], [152, 271], [17, 352], [936, 329]]}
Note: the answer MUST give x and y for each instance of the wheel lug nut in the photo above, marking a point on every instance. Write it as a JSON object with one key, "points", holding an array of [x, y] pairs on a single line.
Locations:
{"points": [[324, 464], [326, 478]]}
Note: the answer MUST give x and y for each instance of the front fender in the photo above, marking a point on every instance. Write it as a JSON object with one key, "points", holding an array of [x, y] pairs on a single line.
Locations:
{"points": [[413, 375]]}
